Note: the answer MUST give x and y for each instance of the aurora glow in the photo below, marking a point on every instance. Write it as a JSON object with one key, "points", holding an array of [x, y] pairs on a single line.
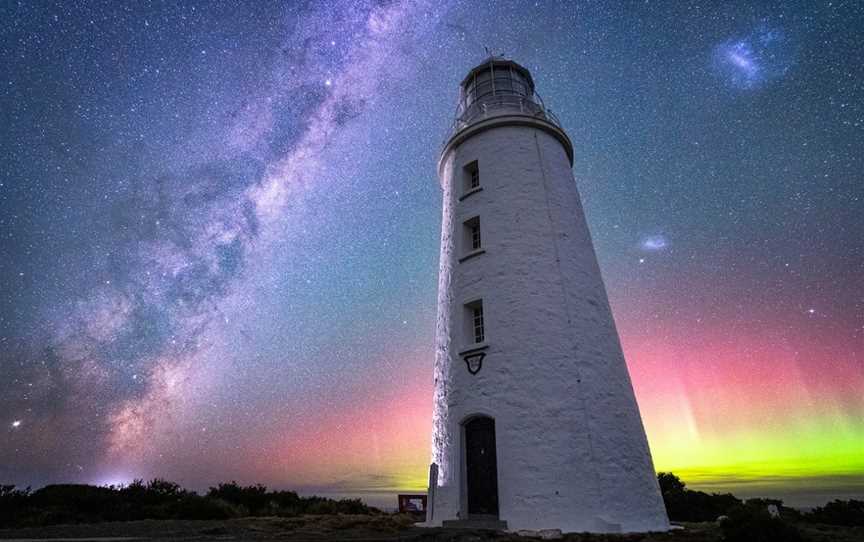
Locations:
{"points": [[219, 229]]}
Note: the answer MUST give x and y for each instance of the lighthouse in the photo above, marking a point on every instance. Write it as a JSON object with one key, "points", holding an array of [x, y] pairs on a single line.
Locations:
{"points": [[535, 423]]}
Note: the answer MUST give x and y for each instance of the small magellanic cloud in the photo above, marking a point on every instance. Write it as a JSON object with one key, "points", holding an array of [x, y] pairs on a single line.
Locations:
{"points": [[654, 243]]}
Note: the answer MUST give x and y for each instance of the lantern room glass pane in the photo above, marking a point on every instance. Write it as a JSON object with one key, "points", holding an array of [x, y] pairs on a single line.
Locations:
{"points": [[520, 88], [498, 80], [483, 89], [503, 85]]}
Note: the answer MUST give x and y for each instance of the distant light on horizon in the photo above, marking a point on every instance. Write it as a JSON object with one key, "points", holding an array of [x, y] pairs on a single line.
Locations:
{"points": [[118, 480]]}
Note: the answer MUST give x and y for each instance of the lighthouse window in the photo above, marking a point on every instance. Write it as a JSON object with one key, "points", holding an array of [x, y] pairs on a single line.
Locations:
{"points": [[520, 85], [477, 322], [474, 316], [503, 83], [483, 84], [470, 180], [475, 236], [472, 240]]}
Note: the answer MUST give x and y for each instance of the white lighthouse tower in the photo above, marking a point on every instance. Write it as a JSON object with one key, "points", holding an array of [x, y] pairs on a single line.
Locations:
{"points": [[535, 421]]}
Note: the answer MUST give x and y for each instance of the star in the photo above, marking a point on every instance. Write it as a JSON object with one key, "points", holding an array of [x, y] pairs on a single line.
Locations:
{"points": [[16, 424]]}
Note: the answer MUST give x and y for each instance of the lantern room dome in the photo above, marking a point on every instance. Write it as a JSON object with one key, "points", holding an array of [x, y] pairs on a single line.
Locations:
{"points": [[496, 76], [499, 92]]}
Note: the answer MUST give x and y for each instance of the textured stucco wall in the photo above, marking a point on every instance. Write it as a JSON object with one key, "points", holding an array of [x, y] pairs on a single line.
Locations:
{"points": [[572, 452]]}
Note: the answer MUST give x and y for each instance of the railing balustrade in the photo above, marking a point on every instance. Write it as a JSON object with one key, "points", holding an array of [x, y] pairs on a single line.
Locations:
{"points": [[492, 106]]}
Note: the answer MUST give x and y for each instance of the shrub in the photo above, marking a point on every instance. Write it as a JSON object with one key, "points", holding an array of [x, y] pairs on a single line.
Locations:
{"points": [[254, 498], [786, 513], [75, 503], [683, 504], [751, 523], [13, 502], [669, 483], [157, 499], [319, 506], [285, 503], [197, 507], [837, 512]]}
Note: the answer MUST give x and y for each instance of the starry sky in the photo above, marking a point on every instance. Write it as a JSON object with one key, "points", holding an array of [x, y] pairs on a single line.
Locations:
{"points": [[219, 228]]}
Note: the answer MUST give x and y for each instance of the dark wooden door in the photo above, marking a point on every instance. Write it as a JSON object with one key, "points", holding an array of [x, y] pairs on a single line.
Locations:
{"points": [[481, 467]]}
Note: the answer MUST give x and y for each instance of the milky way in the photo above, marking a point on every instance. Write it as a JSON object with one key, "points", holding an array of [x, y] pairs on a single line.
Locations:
{"points": [[220, 230]]}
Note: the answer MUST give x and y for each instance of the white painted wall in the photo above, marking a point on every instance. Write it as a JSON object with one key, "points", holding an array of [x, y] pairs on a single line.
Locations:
{"points": [[572, 452]]}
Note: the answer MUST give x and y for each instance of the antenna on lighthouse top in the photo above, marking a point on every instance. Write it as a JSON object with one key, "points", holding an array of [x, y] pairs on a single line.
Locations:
{"points": [[491, 54]]}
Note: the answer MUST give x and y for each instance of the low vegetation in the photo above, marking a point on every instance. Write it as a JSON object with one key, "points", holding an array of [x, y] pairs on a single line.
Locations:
{"points": [[848, 513], [753, 520], [132, 509], [158, 499], [753, 523], [684, 504]]}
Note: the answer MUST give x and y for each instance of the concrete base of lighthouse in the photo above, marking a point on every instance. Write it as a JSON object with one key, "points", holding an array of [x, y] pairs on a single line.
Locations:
{"points": [[537, 490]]}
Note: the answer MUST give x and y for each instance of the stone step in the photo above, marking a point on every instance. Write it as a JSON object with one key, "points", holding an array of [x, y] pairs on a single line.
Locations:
{"points": [[492, 524]]}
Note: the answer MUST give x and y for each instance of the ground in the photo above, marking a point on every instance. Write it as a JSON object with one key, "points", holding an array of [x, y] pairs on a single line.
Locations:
{"points": [[386, 527]]}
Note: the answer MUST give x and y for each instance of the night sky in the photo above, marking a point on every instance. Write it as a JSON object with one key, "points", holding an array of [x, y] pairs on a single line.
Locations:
{"points": [[219, 229]]}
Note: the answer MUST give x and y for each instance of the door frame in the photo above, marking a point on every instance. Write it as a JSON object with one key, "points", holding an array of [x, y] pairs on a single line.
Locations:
{"points": [[463, 463]]}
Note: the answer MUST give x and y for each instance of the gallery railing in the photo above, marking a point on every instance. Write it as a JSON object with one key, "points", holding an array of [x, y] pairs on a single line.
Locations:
{"points": [[499, 105]]}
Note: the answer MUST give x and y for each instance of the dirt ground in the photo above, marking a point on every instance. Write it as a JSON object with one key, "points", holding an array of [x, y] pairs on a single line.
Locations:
{"points": [[354, 529]]}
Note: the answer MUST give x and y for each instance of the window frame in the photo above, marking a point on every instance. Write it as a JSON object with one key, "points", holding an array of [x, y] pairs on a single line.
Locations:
{"points": [[474, 324], [472, 230], [478, 326], [476, 237], [470, 173]]}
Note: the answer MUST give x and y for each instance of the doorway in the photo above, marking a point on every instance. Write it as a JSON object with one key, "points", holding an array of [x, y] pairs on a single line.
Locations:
{"points": [[481, 467]]}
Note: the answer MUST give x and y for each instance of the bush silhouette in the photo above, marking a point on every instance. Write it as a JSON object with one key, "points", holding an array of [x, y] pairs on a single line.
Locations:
{"points": [[683, 504], [13, 502], [669, 483], [849, 513], [254, 499], [753, 523], [157, 499]]}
